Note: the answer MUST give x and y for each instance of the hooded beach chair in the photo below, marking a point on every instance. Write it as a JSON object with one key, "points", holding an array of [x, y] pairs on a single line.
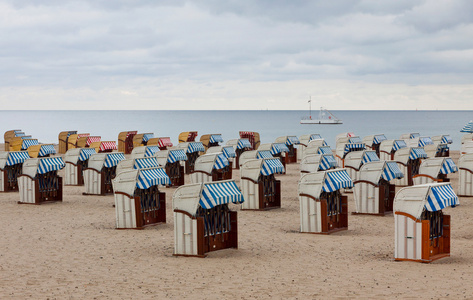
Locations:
{"points": [[422, 230], [22, 143], [211, 140], [187, 136], [253, 137], [164, 143], [125, 141], [387, 148], [317, 146], [138, 201], [254, 154], [86, 141], [354, 160], [137, 163], [63, 137], [39, 181], [435, 170], [277, 150], [171, 160], [11, 166], [76, 161], [323, 208], [343, 148], [304, 141], [41, 150], [465, 178], [239, 146], [100, 172], [318, 162], [373, 192], [211, 167], [192, 150], [343, 138], [203, 221], [290, 142], [442, 142], [373, 142], [259, 186], [9, 135], [409, 136], [408, 160]]}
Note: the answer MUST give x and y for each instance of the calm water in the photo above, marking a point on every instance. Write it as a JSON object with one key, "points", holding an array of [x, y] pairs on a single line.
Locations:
{"points": [[46, 125]]}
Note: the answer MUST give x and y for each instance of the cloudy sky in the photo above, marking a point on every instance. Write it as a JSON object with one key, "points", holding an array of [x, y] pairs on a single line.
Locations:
{"points": [[236, 54]]}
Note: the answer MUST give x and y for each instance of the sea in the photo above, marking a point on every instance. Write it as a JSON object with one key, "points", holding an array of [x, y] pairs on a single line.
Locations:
{"points": [[45, 125]]}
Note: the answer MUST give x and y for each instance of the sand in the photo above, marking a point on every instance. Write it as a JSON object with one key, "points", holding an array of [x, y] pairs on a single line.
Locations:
{"points": [[71, 250]]}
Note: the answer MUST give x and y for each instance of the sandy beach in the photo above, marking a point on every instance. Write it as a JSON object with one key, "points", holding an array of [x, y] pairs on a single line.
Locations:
{"points": [[71, 250]]}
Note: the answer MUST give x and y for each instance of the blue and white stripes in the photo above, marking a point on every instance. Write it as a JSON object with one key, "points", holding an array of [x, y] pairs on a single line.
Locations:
{"points": [[324, 150], [425, 140], [468, 127], [391, 171], [243, 143], [147, 136], [46, 150], [292, 140], [264, 154], [355, 140], [271, 166], [49, 164], [327, 162], [378, 139], [16, 158], [151, 150], [176, 155], [446, 139], [440, 197], [448, 166], [315, 137], [147, 162], [29, 142], [370, 156], [220, 162], [417, 153], [218, 193], [398, 144], [195, 147], [85, 153], [228, 151], [151, 177], [216, 138], [113, 159], [354, 147], [277, 148], [335, 180]]}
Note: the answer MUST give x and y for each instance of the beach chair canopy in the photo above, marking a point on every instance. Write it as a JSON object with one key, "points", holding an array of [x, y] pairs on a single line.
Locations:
{"points": [[147, 136], [191, 147], [425, 140], [306, 138], [46, 149], [392, 145], [12, 158], [437, 165], [43, 165], [108, 160], [357, 158], [345, 148], [407, 136], [318, 162], [164, 142], [288, 140], [216, 138], [432, 197], [78, 154], [465, 162], [239, 143], [144, 151], [260, 154], [26, 143], [145, 163], [313, 184], [170, 156], [468, 127], [403, 155], [209, 162], [129, 180], [207, 195], [377, 170], [355, 140], [274, 148], [253, 168], [187, 136]]}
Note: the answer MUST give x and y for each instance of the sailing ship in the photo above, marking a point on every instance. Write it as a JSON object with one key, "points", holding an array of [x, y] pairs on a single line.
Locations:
{"points": [[325, 117]]}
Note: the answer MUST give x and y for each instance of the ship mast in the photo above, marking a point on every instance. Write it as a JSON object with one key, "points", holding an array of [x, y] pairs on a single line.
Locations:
{"points": [[310, 107]]}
